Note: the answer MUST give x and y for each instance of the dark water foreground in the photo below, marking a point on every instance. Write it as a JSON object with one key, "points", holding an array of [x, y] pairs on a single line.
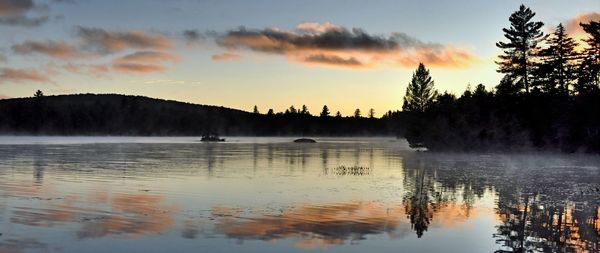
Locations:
{"points": [[270, 195]]}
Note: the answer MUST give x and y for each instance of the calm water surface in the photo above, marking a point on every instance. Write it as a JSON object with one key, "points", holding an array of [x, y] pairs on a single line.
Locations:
{"points": [[126, 194]]}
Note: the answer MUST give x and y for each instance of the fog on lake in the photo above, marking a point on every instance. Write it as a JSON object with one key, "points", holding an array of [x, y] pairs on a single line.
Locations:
{"points": [[176, 194]]}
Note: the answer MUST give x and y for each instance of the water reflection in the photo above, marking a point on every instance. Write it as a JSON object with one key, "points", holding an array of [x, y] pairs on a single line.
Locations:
{"points": [[326, 196]]}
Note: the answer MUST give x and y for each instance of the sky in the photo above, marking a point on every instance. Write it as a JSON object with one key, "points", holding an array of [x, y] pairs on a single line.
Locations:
{"points": [[345, 54]]}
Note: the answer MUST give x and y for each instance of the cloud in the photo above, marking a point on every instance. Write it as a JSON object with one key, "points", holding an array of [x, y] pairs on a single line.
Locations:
{"points": [[14, 12], [22, 75], [137, 62], [192, 36], [149, 56], [333, 45], [143, 62], [50, 48], [95, 70], [138, 68], [106, 42], [333, 60], [312, 27], [15, 7], [572, 25], [225, 57]]}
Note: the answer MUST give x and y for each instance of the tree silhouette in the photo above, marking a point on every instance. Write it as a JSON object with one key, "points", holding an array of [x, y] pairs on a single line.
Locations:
{"points": [[338, 114], [292, 110], [255, 110], [304, 110], [357, 113], [420, 93], [589, 74], [270, 112], [523, 37], [38, 94], [558, 66], [325, 111], [372, 113]]}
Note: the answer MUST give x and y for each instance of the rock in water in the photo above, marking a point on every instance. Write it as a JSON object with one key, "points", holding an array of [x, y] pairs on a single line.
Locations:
{"points": [[304, 140]]}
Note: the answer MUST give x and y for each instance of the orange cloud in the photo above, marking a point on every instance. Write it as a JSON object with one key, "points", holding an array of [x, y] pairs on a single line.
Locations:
{"points": [[148, 56], [15, 7], [22, 75], [575, 30], [138, 68], [139, 214], [104, 41], [50, 48], [332, 45], [317, 225], [225, 57], [143, 62], [572, 25], [13, 12]]}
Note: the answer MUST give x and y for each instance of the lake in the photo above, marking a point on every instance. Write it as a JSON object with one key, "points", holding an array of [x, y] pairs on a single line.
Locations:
{"points": [[175, 194]]}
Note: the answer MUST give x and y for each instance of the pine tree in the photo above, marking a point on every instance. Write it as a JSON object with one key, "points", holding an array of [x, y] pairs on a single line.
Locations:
{"points": [[325, 111], [518, 58], [38, 94], [420, 93], [270, 112], [558, 66], [589, 71], [255, 110], [304, 110], [372, 113], [338, 114], [357, 113]]}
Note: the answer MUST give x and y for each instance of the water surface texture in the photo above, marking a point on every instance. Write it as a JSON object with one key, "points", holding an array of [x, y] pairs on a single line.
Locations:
{"points": [[128, 194]]}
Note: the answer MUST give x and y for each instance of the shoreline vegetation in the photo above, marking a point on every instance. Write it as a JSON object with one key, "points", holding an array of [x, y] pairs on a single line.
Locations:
{"points": [[548, 100], [123, 115]]}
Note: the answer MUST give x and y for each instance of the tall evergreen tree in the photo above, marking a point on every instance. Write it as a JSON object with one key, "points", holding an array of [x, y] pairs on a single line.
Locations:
{"points": [[589, 74], [255, 110], [558, 66], [325, 111], [523, 37], [420, 93]]}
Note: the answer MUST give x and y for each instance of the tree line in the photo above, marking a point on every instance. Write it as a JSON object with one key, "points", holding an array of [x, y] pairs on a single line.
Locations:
{"points": [[549, 97], [112, 114], [323, 114]]}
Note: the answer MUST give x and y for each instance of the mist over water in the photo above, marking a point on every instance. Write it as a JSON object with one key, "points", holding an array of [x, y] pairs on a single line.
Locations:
{"points": [[141, 194]]}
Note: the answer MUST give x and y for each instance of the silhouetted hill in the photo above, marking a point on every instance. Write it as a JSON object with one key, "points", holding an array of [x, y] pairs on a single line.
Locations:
{"points": [[112, 114]]}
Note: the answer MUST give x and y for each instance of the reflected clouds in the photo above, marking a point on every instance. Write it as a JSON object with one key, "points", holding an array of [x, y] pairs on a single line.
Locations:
{"points": [[316, 196], [320, 225]]}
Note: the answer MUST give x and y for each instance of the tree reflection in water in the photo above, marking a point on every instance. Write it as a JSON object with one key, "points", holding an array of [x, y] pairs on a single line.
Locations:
{"points": [[542, 208], [313, 195]]}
